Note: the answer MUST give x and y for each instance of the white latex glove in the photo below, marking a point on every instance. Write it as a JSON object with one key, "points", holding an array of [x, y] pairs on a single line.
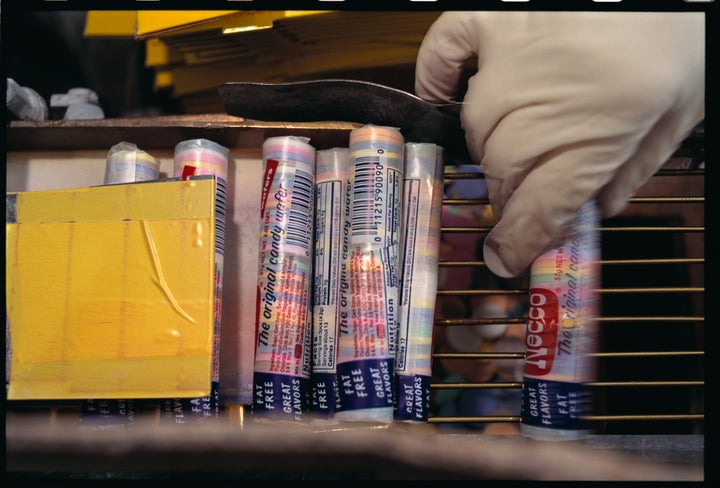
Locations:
{"points": [[565, 107]]}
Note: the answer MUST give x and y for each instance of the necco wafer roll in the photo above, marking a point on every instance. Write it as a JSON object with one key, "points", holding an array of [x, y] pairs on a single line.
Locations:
{"points": [[561, 333], [331, 167], [422, 208], [125, 163], [196, 157], [369, 276], [96, 415], [285, 276], [8, 354], [203, 158], [179, 411]]}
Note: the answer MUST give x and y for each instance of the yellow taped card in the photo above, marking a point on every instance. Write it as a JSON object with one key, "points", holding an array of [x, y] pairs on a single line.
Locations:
{"points": [[110, 291]]}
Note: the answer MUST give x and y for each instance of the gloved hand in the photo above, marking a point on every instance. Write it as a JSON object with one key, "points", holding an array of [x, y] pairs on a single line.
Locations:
{"points": [[565, 107]]}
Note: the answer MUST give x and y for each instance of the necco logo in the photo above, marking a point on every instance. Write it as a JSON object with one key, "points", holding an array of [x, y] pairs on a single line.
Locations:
{"points": [[541, 335]]}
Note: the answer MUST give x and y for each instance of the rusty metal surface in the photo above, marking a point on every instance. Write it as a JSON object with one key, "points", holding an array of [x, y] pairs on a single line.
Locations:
{"points": [[350, 101], [166, 131]]}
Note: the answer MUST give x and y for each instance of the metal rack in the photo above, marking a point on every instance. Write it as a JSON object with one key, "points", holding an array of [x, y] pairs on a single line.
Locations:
{"points": [[650, 359]]}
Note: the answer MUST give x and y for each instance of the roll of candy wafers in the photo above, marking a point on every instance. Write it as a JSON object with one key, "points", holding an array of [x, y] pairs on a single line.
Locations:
{"points": [[198, 158], [561, 334], [126, 163], [369, 277], [284, 303], [420, 249], [330, 186]]}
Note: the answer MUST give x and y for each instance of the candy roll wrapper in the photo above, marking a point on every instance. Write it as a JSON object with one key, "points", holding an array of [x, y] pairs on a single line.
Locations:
{"points": [[97, 415], [8, 354], [285, 276], [125, 163], [561, 334], [179, 411], [330, 189], [422, 209], [369, 277], [202, 158]]}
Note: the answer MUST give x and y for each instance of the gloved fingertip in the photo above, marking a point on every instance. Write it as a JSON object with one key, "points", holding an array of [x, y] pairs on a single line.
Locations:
{"points": [[495, 262], [611, 205]]}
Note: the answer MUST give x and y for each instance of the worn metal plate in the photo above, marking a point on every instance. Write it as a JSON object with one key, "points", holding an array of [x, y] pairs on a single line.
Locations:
{"points": [[349, 101]]}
